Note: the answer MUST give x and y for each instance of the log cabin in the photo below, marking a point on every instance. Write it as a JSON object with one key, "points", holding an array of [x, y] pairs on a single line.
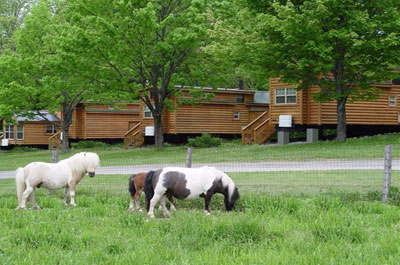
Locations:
{"points": [[292, 110], [226, 112], [32, 131]]}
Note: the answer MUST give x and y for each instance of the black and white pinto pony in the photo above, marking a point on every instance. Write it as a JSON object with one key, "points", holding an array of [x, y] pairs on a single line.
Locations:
{"points": [[53, 176], [188, 184]]}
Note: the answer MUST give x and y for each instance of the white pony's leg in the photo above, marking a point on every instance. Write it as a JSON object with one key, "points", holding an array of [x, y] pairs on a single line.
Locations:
{"points": [[31, 198], [25, 196], [66, 195], [153, 203], [72, 197], [163, 207]]}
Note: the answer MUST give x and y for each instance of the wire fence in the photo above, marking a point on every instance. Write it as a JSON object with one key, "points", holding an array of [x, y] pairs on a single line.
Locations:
{"points": [[272, 169]]}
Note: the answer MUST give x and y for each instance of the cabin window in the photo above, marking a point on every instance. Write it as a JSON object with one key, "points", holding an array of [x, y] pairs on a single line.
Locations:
{"points": [[285, 95], [9, 132], [147, 112], [236, 115], [239, 98], [392, 101], [111, 107], [51, 129], [20, 132]]}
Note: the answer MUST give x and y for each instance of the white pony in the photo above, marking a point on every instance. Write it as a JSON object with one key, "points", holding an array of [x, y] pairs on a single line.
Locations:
{"points": [[53, 176], [188, 184]]}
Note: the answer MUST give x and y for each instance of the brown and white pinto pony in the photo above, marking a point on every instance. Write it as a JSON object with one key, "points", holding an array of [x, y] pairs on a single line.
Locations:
{"points": [[136, 186], [53, 176], [188, 184]]}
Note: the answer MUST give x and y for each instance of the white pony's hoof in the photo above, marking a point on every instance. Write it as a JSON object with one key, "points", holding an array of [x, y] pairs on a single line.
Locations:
{"points": [[140, 211], [131, 210], [73, 204], [207, 213], [151, 215], [172, 208]]}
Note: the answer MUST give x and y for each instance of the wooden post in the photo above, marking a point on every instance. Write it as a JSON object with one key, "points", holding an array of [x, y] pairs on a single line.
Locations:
{"points": [[387, 172], [54, 156], [189, 157]]}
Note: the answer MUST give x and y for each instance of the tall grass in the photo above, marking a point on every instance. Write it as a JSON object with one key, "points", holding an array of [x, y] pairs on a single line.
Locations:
{"points": [[343, 229]]}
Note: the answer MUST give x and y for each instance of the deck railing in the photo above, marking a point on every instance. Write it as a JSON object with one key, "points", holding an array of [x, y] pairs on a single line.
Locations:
{"points": [[134, 137], [248, 132], [55, 141]]}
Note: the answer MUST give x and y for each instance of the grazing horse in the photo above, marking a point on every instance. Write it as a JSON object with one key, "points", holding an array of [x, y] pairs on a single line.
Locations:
{"points": [[188, 184], [53, 176], [136, 186]]}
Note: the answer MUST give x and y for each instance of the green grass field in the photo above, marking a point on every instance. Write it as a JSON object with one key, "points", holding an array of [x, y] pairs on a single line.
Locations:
{"points": [[344, 228], [283, 217]]}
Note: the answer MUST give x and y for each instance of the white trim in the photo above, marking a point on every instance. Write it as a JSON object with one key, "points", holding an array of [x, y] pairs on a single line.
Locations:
{"points": [[8, 132], [23, 133], [286, 95], [392, 101]]}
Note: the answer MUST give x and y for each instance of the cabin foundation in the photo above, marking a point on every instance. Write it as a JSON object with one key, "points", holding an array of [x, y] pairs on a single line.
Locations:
{"points": [[283, 137], [312, 135]]}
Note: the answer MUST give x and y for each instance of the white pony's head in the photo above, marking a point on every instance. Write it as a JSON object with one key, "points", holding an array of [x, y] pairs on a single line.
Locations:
{"points": [[87, 162]]}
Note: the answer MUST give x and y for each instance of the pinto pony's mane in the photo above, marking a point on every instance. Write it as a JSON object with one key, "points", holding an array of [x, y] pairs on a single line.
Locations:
{"points": [[227, 183]]}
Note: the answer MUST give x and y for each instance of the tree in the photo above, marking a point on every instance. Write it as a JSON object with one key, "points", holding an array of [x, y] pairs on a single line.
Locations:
{"points": [[140, 47], [341, 46], [42, 73], [12, 14]]}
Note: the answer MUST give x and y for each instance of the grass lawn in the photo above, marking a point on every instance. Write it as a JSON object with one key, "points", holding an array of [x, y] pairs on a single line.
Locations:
{"points": [[346, 228], [230, 151], [285, 217]]}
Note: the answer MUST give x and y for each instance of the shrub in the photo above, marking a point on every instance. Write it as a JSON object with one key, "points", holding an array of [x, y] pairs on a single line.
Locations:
{"points": [[205, 140], [88, 144]]}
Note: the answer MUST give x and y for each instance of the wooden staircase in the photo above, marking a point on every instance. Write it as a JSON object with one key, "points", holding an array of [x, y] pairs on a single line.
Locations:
{"points": [[134, 137], [55, 141], [259, 130]]}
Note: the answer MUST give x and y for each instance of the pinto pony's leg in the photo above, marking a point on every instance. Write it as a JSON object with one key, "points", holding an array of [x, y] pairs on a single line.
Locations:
{"points": [[66, 193], [153, 203], [163, 207], [171, 203], [137, 200]]}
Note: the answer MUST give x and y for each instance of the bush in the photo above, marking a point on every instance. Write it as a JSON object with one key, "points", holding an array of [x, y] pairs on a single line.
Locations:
{"points": [[88, 144], [205, 140]]}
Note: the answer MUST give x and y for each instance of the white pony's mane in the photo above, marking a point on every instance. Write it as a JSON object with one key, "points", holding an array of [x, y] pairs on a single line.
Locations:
{"points": [[82, 161]]}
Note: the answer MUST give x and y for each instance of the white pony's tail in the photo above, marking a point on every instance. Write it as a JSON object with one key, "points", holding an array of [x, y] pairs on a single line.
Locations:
{"points": [[21, 186]]}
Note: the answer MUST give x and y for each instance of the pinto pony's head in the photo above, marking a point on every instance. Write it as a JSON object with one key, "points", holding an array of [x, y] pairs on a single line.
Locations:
{"points": [[230, 191], [86, 162]]}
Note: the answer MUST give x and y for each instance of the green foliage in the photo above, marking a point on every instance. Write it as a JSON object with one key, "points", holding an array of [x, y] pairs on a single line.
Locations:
{"points": [[203, 141], [88, 144]]}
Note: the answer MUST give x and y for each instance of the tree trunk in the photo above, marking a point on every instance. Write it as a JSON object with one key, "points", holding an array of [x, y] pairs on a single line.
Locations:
{"points": [[66, 122], [65, 140], [158, 132], [341, 120]]}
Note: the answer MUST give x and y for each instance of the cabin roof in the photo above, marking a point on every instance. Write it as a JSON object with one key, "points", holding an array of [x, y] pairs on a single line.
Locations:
{"points": [[44, 116]]}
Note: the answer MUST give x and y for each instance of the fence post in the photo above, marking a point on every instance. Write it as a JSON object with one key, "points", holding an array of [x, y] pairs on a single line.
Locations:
{"points": [[189, 157], [387, 172], [54, 156]]}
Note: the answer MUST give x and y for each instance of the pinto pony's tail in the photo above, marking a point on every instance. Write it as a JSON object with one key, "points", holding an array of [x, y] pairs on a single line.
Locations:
{"points": [[148, 188], [132, 188], [21, 186]]}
